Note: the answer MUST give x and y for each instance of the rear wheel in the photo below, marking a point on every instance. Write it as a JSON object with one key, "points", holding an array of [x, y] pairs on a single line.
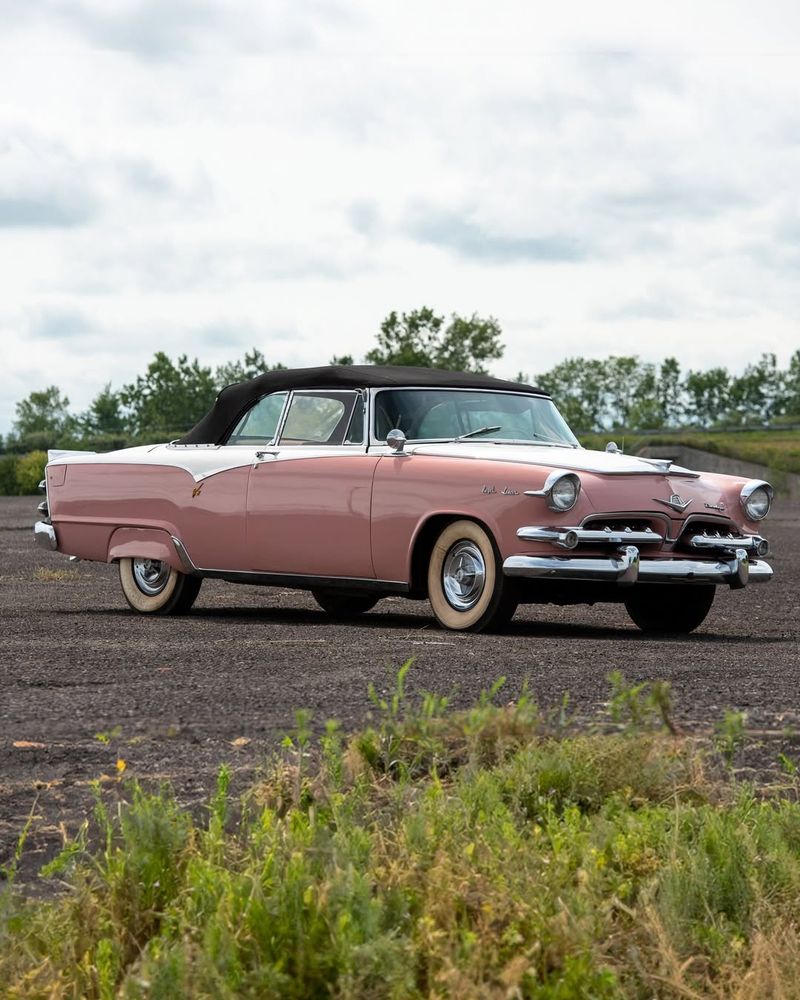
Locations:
{"points": [[343, 605], [677, 608], [466, 586], [153, 587]]}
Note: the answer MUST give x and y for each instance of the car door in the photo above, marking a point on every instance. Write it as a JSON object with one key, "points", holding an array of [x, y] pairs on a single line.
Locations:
{"points": [[309, 496], [211, 514]]}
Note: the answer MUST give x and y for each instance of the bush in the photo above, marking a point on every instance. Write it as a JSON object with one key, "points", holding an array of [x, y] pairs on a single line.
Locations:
{"points": [[492, 852], [30, 472], [8, 475]]}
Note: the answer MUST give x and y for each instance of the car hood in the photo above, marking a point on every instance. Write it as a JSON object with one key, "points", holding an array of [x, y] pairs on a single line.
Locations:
{"points": [[572, 459], [610, 482]]}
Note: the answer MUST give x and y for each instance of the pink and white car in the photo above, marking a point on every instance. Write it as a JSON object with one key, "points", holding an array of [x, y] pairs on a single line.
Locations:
{"points": [[359, 482]]}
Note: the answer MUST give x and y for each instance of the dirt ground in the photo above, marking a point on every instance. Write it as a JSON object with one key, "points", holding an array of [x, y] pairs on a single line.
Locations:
{"points": [[85, 682]]}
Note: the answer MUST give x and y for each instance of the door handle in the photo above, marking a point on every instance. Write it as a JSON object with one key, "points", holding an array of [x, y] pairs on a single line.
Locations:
{"points": [[261, 455]]}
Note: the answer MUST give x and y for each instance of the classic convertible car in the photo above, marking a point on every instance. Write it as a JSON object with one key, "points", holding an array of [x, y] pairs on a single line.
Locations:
{"points": [[358, 482]]}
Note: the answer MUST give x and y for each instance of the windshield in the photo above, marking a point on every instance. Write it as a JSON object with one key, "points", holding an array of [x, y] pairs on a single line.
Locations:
{"points": [[472, 415]]}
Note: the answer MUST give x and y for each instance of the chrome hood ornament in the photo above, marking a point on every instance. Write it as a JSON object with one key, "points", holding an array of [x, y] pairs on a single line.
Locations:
{"points": [[676, 501]]}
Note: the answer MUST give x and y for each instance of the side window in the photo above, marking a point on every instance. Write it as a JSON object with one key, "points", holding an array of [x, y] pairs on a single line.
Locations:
{"points": [[319, 417], [260, 424]]}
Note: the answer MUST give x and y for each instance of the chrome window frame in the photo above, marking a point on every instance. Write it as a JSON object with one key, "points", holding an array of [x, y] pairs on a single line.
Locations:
{"points": [[253, 444], [374, 440], [276, 441]]}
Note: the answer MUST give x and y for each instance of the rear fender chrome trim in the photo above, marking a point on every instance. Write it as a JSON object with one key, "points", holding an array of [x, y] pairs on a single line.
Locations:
{"points": [[186, 561]]}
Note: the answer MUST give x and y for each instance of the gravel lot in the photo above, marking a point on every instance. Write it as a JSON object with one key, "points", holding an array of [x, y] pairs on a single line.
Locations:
{"points": [[176, 697]]}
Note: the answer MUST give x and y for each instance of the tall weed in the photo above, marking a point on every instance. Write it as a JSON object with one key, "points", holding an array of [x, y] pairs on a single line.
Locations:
{"points": [[480, 853]]}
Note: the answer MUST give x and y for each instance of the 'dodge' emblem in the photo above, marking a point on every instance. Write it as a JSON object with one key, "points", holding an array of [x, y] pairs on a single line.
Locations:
{"points": [[676, 501]]}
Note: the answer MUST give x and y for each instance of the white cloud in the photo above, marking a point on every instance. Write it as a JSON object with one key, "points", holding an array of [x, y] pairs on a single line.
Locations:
{"points": [[204, 176]]}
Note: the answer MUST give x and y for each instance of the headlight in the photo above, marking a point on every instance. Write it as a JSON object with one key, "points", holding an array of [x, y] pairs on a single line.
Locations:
{"points": [[756, 499], [564, 493], [561, 490]]}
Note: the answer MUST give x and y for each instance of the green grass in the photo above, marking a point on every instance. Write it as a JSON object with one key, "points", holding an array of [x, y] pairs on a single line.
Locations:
{"points": [[481, 853], [778, 450]]}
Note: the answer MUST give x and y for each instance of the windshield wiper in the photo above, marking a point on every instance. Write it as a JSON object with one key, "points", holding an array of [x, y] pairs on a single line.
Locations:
{"points": [[478, 430], [554, 442]]}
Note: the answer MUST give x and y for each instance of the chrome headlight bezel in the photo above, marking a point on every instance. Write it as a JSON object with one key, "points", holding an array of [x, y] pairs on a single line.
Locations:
{"points": [[559, 477], [750, 495]]}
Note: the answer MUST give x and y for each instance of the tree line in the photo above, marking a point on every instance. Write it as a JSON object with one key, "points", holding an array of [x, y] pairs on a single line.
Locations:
{"points": [[626, 393], [615, 393]]}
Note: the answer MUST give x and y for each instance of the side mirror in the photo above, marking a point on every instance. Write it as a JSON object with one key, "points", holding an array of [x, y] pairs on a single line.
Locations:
{"points": [[396, 440]]}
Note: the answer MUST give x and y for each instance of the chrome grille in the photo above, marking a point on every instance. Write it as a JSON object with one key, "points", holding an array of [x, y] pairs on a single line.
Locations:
{"points": [[622, 524], [722, 530], [717, 536]]}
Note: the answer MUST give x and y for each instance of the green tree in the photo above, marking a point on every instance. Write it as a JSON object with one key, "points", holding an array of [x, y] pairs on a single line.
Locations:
{"points": [[423, 339], [42, 421], [578, 386], [642, 396], [170, 397], [670, 393], [790, 401], [645, 411], [629, 391], [105, 415], [756, 395], [707, 395], [43, 412], [253, 363], [341, 359]]}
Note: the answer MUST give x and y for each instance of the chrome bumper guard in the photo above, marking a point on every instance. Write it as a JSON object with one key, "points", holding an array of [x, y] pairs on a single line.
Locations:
{"points": [[45, 536], [626, 568]]}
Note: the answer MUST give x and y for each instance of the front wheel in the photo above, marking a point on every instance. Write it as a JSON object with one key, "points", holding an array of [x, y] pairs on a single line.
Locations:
{"points": [[153, 587], [677, 608], [466, 586], [344, 605]]}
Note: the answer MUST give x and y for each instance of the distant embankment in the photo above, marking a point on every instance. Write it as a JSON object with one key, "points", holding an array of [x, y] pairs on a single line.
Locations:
{"points": [[786, 483]]}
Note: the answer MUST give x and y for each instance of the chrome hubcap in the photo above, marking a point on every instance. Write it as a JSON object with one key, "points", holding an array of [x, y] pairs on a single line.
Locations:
{"points": [[151, 575], [463, 575]]}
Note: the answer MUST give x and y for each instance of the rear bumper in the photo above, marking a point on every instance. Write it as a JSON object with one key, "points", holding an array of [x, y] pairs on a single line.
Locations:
{"points": [[45, 536], [626, 568]]}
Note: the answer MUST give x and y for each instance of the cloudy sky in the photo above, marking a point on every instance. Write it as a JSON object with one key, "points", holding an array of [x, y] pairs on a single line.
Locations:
{"points": [[203, 176]]}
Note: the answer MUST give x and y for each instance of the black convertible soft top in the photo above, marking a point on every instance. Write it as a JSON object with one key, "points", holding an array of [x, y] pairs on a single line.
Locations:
{"points": [[235, 399]]}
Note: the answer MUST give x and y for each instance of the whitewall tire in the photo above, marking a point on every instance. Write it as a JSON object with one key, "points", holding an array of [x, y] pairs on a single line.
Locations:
{"points": [[152, 587], [466, 586]]}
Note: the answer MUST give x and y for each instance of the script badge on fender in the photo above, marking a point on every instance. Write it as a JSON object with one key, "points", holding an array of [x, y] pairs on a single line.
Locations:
{"points": [[196, 490]]}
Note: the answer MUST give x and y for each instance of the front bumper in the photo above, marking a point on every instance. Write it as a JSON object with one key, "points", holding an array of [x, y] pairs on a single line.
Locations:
{"points": [[626, 568], [45, 536]]}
